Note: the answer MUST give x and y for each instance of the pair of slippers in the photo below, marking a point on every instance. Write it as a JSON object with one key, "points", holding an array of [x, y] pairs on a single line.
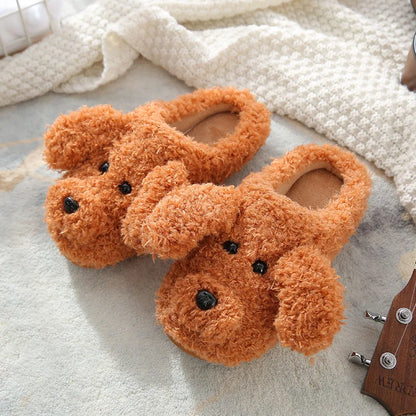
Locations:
{"points": [[253, 262]]}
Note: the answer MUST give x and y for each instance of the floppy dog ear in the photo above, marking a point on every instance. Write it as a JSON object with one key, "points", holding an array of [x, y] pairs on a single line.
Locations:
{"points": [[155, 186], [174, 225], [82, 134], [310, 301]]}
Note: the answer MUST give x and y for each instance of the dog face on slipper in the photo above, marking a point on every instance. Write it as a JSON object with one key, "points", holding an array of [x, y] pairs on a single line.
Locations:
{"points": [[106, 154], [257, 258]]}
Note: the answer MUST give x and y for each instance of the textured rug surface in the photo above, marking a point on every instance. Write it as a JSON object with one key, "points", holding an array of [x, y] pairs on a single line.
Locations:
{"points": [[77, 341]]}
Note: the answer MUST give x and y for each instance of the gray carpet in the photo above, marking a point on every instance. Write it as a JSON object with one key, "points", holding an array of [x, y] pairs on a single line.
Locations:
{"points": [[76, 341]]}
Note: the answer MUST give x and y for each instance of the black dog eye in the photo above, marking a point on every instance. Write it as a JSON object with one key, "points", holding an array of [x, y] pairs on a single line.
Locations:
{"points": [[125, 188], [70, 205], [231, 247], [104, 167], [259, 267], [205, 300]]}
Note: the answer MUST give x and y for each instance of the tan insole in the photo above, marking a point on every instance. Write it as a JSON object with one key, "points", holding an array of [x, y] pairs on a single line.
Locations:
{"points": [[315, 189], [214, 127]]}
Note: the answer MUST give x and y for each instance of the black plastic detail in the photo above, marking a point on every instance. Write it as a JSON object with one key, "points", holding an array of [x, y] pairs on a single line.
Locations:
{"points": [[125, 188], [70, 205], [231, 247], [104, 167], [260, 267], [205, 300]]}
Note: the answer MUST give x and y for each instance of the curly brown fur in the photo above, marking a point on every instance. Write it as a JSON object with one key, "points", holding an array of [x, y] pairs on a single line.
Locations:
{"points": [[134, 144], [298, 300]]}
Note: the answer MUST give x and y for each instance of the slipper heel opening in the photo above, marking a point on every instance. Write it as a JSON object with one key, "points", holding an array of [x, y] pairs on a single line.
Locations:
{"points": [[314, 187], [211, 125]]}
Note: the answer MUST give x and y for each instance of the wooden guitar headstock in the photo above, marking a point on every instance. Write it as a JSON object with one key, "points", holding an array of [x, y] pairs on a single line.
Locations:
{"points": [[409, 71], [391, 377]]}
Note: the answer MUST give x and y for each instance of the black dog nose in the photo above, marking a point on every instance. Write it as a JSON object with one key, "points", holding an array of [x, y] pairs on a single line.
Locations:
{"points": [[205, 300], [70, 205]]}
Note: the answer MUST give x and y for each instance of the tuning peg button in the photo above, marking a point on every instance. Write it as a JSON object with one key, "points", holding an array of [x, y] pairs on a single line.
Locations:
{"points": [[404, 315], [375, 316], [356, 358], [388, 360]]}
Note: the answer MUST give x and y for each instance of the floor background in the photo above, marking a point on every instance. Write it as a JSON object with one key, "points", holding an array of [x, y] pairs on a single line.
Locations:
{"points": [[80, 341]]}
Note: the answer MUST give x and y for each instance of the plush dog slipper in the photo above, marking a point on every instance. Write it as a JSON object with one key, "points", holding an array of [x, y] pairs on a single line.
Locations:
{"points": [[257, 265], [106, 155]]}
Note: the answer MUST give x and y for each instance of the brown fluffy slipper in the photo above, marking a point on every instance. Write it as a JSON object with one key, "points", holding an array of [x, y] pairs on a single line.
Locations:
{"points": [[257, 266], [106, 154]]}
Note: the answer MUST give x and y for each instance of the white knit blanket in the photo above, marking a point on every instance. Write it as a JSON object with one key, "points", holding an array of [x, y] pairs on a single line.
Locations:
{"points": [[333, 65]]}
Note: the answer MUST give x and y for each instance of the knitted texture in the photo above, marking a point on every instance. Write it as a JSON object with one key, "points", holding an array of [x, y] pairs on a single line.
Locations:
{"points": [[333, 65]]}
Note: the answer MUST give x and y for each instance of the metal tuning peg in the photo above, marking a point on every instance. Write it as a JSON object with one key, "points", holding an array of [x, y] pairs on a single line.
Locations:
{"points": [[356, 358], [375, 316]]}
